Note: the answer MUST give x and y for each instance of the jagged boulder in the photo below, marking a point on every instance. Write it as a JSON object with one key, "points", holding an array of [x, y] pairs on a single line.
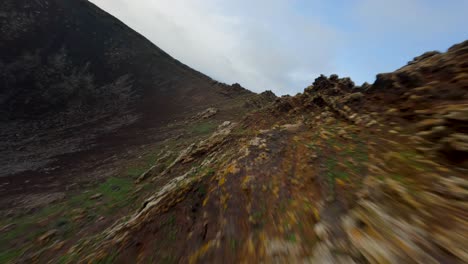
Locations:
{"points": [[334, 84], [352, 97], [261, 100], [283, 104], [458, 115], [204, 146], [455, 143], [383, 81], [268, 94], [424, 56], [207, 113]]}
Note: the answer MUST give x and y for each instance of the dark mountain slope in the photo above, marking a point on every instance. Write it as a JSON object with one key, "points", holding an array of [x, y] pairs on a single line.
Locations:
{"points": [[71, 74], [337, 174], [182, 170], [71, 56]]}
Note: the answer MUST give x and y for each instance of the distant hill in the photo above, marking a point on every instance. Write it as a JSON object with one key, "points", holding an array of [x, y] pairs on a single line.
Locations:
{"points": [[71, 75], [68, 56]]}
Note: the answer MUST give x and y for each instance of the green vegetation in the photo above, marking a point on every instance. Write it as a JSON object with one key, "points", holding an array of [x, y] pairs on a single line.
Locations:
{"points": [[203, 128], [350, 160], [239, 131], [258, 217], [233, 244], [334, 172], [6, 256], [292, 238], [28, 228], [200, 171], [142, 165], [135, 172], [398, 178], [67, 258], [170, 220], [201, 190], [411, 158], [168, 259], [109, 259], [209, 172], [311, 146], [169, 228], [116, 194]]}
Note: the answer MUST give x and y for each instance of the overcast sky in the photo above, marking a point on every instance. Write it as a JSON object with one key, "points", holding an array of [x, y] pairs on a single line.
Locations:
{"points": [[283, 45]]}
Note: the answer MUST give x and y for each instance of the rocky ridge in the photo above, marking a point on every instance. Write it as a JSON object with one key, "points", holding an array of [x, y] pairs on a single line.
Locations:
{"points": [[337, 174]]}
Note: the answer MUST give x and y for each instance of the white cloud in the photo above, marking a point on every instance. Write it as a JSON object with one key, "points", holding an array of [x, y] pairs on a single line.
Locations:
{"points": [[385, 35], [417, 18], [260, 44], [283, 45]]}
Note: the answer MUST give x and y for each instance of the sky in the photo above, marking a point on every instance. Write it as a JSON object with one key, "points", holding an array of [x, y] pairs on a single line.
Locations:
{"points": [[283, 45]]}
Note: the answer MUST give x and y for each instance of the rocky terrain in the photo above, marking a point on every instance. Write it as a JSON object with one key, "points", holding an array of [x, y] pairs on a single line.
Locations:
{"points": [[340, 173], [337, 174], [75, 81]]}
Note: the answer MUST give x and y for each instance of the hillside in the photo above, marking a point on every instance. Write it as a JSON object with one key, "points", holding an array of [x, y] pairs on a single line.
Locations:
{"points": [[70, 56], [337, 174], [83, 98], [189, 170], [75, 81]]}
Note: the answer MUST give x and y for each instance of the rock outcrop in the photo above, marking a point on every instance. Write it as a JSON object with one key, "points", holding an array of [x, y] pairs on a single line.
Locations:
{"points": [[338, 174]]}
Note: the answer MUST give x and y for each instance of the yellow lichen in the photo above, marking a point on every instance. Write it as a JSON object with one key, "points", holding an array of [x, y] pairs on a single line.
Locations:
{"points": [[340, 182], [201, 251], [245, 182], [221, 181], [316, 214], [205, 201]]}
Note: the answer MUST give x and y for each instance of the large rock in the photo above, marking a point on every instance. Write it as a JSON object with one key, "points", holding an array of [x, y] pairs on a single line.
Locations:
{"points": [[424, 56], [456, 142], [47, 236], [353, 97], [207, 113], [461, 115], [429, 123], [204, 146]]}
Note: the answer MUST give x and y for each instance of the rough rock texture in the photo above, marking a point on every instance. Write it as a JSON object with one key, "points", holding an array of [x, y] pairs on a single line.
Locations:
{"points": [[209, 112], [70, 57], [327, 176], [261, 100], [74, 79], [338, 174]]}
